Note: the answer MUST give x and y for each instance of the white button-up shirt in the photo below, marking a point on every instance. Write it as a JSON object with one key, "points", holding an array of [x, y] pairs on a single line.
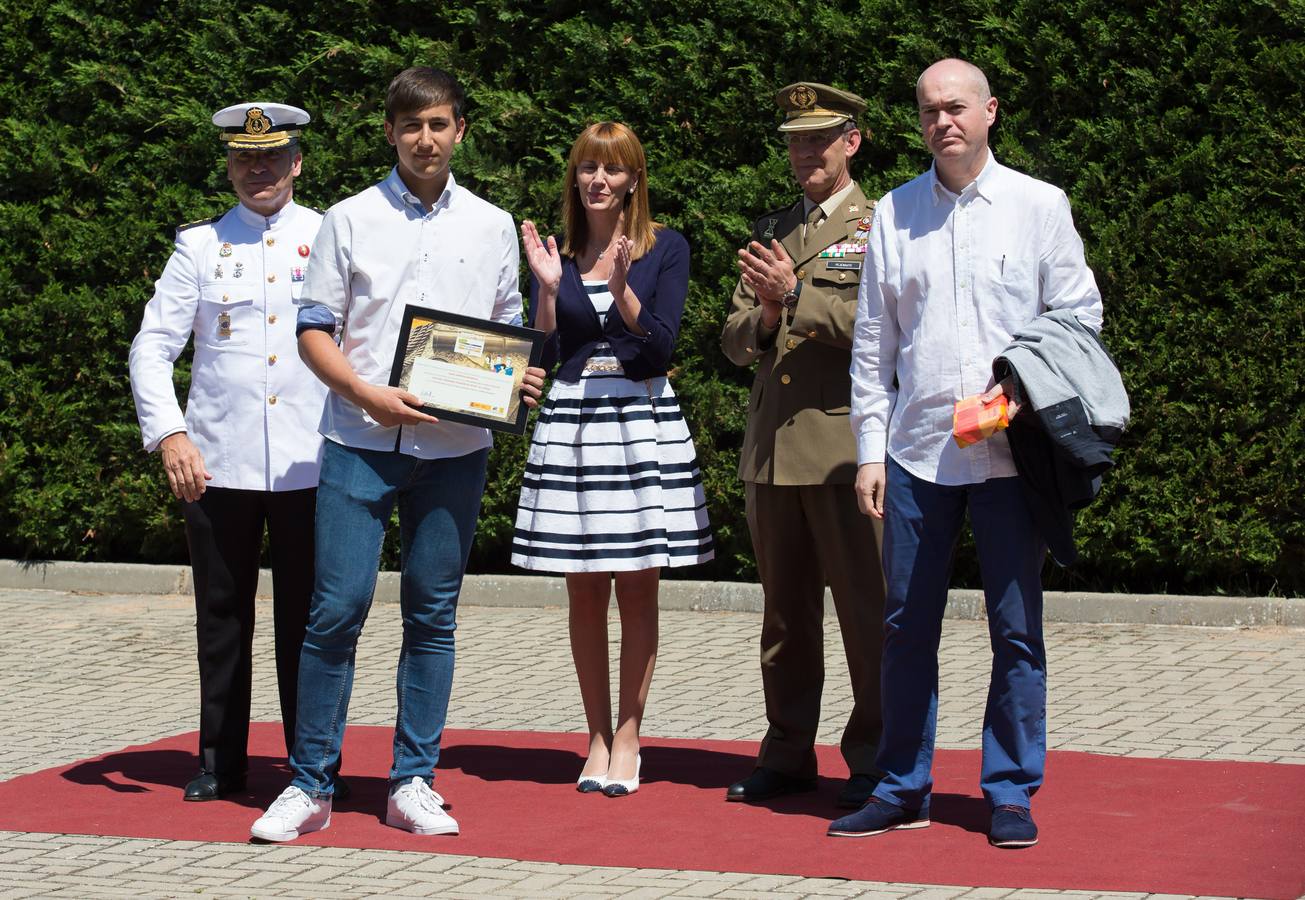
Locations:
{"points": [[234, 282], [379, 251], [951, 278]]}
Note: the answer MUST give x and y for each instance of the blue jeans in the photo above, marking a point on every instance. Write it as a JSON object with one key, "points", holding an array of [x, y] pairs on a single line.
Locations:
{"points": [[922, 521], [439, 501]]}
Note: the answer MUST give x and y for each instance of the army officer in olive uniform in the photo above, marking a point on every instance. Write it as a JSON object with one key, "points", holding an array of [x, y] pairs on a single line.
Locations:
{"points": [[792, 316], [246, 451]]}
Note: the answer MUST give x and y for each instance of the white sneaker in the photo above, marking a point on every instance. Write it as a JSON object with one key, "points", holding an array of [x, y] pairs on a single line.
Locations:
{"points": [[415, 807], [292, 814]]}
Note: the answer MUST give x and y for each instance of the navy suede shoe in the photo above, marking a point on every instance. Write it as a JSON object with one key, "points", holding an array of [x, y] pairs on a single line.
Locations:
{"points": [[1012, 828], [878, 816]]}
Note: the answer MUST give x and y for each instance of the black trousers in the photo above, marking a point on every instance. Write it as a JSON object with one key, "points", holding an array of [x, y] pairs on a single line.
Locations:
{"points": [[224, 530]]}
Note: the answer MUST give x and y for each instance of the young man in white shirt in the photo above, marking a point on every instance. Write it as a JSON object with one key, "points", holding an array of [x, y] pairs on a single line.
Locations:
{"points": [[417, 237], [246, 451], [963, 256]]}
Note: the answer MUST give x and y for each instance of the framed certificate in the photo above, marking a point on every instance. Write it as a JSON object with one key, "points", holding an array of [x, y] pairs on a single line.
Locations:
{"points": [[465, 369]]}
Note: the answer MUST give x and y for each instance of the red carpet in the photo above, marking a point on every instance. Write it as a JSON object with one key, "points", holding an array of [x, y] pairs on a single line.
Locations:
{"points": [[1108, 823]]}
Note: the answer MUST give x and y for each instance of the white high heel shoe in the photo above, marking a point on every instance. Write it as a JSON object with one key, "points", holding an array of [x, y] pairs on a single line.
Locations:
{"points": [[590, 784], [617, 788]]}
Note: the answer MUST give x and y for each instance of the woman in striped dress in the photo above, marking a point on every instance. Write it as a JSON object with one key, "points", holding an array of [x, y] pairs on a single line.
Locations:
{"points": [[612, 490]]}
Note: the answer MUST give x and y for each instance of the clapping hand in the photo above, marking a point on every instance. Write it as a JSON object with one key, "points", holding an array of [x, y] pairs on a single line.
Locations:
{"points": [[767, 270], [543, 258], [620, 265]]}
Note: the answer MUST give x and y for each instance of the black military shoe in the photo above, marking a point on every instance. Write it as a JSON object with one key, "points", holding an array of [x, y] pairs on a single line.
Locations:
{"points": [[856, 791], [211, 786], [765, 783]]}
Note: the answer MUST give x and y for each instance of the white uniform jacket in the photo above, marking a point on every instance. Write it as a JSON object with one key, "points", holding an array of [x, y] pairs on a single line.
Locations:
{"points": [[254, 407]]}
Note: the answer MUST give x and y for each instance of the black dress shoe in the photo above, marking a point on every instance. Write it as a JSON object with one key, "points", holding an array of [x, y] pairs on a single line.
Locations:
{"points": [[211, 786], [856, 791], [765, 783], [342, 789]]}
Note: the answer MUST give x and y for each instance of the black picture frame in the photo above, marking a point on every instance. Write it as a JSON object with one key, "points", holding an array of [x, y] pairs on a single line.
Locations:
{"points": [[420, 337]]}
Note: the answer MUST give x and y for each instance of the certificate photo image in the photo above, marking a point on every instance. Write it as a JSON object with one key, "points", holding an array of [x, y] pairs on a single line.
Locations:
{"points": [[466, 370]]}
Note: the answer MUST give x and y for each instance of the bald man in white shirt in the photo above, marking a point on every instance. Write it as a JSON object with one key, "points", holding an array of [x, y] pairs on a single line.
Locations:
{"points": [[963, 257]]}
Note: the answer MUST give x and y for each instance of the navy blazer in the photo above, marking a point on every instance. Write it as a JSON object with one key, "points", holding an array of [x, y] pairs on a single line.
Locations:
{"points": [[659, 278]]}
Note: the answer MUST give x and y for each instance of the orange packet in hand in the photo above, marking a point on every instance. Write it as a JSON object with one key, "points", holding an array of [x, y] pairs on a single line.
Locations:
{"points": [[973, 420]]}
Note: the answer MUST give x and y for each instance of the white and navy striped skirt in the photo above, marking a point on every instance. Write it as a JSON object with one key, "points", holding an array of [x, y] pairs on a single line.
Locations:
{"points": [[612, 481]]}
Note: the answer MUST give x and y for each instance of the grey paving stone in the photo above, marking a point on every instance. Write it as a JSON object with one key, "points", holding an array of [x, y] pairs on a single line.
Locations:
{"points": [[72, 692]]}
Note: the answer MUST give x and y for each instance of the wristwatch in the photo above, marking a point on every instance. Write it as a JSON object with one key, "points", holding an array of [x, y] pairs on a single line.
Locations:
{"points": [[789, 299]]}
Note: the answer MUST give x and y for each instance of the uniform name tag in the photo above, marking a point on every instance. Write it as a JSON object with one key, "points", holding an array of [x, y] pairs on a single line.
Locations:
{"points": [[852, 265]]}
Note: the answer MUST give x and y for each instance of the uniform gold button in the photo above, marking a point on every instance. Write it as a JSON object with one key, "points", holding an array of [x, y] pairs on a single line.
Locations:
{"points": [[784, 379], [747, 349], [226, 297], [842, 276], [271, 320], [271, 242], [790, 343], [271, 360], [271, 277], [801, 273], [272, 400], [811, 334]]}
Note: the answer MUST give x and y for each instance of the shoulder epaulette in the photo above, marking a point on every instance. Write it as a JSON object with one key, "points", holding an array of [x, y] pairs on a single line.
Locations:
{"points": [[208, 221]]}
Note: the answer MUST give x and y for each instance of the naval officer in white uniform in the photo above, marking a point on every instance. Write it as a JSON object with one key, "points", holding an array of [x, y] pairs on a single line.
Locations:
{"points": [[246, 452]]}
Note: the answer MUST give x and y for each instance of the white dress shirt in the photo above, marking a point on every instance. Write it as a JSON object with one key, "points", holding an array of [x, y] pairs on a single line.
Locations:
{"points": [[951, 278], [379, 251], [253, 408]]}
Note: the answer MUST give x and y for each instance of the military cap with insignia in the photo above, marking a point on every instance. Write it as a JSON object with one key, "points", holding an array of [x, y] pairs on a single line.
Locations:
{"points": [[809, 106], [260, 126]]}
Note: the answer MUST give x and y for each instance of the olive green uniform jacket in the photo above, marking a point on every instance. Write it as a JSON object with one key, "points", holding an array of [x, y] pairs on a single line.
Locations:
{"points": [[798, 430]]}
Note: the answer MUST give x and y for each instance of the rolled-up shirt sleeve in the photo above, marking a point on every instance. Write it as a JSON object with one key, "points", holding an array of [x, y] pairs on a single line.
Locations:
{"points": [[328, 284], [315, 318], [874, 351]]}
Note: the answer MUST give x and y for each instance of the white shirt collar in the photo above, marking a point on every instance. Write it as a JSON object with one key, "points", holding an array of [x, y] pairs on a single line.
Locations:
{"points": [[394, 184], [981, 186], [258, 220]]}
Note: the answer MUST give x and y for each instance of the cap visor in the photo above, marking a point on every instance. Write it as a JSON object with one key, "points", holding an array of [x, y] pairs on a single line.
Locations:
{"points": [[812, 123], [245, 143]]}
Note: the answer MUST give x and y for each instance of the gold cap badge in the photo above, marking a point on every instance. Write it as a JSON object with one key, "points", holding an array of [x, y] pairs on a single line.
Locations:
{"points": [[256, 122], [260, 126], [809, 105], [802, 97]]}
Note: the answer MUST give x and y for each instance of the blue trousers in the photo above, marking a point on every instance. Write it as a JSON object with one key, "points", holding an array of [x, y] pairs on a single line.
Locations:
{"points": [[922, 522], [439, 501]]}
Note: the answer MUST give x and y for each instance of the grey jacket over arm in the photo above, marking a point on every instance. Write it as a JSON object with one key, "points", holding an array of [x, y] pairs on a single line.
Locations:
{"points": [[1075, 412]]}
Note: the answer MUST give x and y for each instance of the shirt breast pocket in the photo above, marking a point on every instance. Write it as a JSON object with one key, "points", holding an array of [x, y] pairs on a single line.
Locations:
{"points": [[1015, 285], [226, 317], [837, 272], [1016, 275]]}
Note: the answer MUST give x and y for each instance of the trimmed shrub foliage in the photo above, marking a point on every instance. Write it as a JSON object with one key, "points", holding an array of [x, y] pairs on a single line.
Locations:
{"points": [[1175, 127]]}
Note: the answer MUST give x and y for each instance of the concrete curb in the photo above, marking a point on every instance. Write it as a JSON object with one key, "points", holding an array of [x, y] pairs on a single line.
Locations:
{"points": [[533, 591]]}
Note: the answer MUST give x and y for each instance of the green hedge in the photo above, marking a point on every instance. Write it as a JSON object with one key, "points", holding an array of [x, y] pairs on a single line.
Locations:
{"points": [[1174, 127]]}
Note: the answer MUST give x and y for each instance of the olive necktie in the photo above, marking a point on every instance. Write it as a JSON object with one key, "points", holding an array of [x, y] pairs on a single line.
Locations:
{"points": [[814, 219]]}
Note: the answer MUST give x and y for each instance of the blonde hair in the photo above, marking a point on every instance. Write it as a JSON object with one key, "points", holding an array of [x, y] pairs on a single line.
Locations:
{"points": [[608, 142]]}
